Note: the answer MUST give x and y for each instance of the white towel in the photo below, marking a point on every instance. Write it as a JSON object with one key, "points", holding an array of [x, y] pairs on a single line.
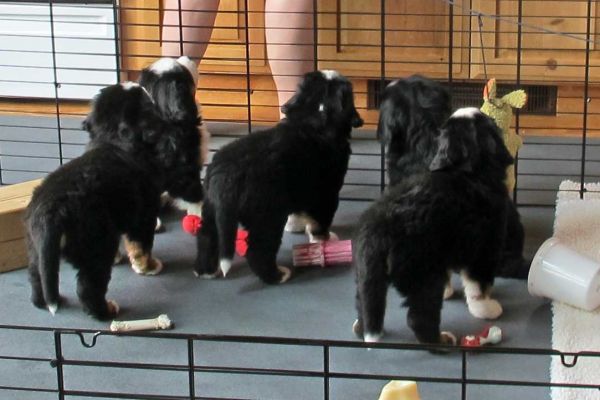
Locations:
{"points": [[577, 224]]}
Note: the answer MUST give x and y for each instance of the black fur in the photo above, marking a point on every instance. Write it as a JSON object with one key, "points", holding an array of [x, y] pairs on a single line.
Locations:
{"points": [[81, 210], [432, 221], [173, 92], [411, 113], [296, 167]]}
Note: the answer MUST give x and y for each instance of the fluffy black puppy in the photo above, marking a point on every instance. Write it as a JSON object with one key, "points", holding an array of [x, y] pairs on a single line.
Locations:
{"points": [[411, 113], [451, 217], [81, 210], [172, 84], [296, 167]]}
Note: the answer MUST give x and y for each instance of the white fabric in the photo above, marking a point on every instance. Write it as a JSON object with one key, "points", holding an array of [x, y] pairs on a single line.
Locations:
{"points": [[577, 224]]}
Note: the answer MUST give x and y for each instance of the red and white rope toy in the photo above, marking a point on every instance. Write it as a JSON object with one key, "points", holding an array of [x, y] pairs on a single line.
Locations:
{"points": [[490, 335], [322, 253]]}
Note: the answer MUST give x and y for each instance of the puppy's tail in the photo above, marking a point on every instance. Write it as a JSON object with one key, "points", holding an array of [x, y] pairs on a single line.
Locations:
{"points": [[48, 242]]}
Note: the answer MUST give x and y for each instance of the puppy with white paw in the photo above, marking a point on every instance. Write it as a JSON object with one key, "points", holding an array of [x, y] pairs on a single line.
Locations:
{"points": [[431, 221], [297, 167], [81, 210], [172, 84]]}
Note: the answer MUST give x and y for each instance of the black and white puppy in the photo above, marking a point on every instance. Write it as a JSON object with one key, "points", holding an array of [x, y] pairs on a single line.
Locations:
{"points": [[296, 167], [451, 216], [81, 210], [172, 84], [411, 113]]}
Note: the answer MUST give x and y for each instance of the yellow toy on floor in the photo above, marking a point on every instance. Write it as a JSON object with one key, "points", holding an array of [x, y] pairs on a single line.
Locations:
{"points": [[400, 390], [500, 109]]}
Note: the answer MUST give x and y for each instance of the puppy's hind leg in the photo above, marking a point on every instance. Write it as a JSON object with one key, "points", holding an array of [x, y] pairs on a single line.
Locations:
{"points": [[424, 312], [207, 244], [370, 306], [92, 285], [37, 293], [371, 289], [321, 218], [93, 276], [264, 240], [478, 295], [44, 264], [227, 224]]}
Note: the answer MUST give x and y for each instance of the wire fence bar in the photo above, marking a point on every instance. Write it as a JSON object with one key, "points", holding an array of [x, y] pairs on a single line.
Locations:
{"points": [[55, 55], [327, 372], [376, 41]]}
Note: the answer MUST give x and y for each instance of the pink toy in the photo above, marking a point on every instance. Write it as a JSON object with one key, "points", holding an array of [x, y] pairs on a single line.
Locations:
{"points": [[322, 253], [490, 335], [192, 224]]}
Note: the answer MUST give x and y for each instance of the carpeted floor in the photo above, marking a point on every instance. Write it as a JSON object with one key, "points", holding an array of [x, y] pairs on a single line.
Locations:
{"points": [[316, 303]]}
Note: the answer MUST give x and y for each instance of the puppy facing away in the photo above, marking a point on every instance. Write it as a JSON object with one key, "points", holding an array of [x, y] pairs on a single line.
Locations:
{"points": [[81, 210], [450, 217], [411, 113], [296, 167], [172, 84]]}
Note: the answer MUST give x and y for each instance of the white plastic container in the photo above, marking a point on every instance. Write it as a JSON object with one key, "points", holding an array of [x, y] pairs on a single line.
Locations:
{"points": [[560, 273]]}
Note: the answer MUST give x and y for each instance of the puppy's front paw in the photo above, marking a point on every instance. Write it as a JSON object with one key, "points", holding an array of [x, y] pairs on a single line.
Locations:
{"points": [[295, 224], [113, 308], [195, 208], [448, 338], [448, 291], [372, 337], [152, 266], [119, 257], [207, 275], [159, 227], [321, 238], [484, 308], [357, 328], [286, 273]]}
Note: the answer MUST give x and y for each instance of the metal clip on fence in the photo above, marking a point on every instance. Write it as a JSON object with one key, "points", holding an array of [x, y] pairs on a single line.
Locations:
{"points": [[84, 343], [567, 364]]}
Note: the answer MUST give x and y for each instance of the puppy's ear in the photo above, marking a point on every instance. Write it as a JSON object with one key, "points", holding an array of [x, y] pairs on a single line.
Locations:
{"points": [[453, 152], [388, 122], [291, 105]]}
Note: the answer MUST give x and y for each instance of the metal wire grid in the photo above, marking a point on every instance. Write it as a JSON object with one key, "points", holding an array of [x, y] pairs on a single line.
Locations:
{"points": [[327, 373], [63, 139]]}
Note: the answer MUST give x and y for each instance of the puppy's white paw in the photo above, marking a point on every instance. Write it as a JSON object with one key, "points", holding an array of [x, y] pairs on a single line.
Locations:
{"points": [[113, 307], [357, 328], [295, 223], [448, 338], [119, 257], [214, 275], [153, 267], [190, 208], [158, 227], [225, 266], [320, 238], [195, 208], [372, 337], [448, 291], [53, 308], [484, 308], [286, 273]]}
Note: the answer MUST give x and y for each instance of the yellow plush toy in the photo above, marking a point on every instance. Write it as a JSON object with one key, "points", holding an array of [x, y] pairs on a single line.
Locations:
{"points": [[500, 109]]}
